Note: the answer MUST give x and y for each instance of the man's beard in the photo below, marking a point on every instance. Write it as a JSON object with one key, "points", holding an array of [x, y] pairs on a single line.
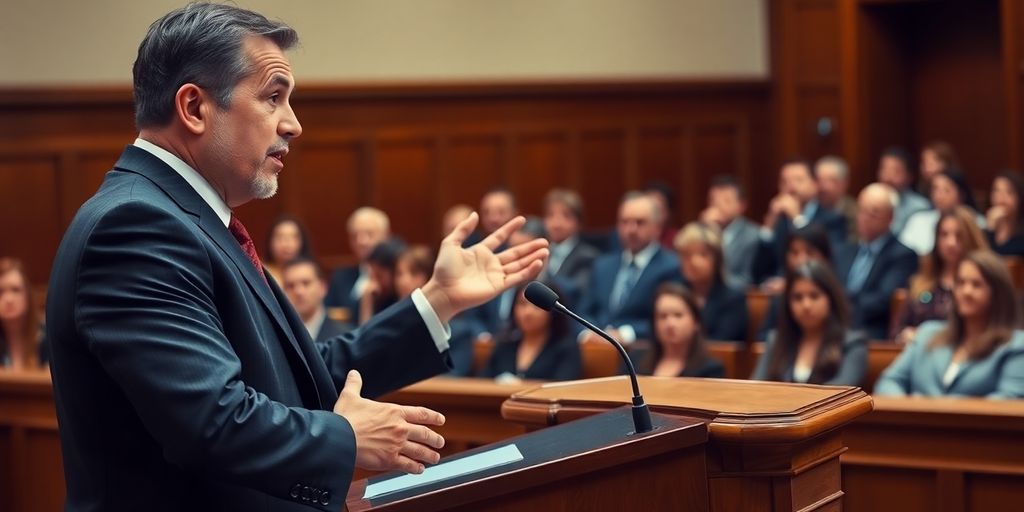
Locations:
{"points": [[263, 185]]}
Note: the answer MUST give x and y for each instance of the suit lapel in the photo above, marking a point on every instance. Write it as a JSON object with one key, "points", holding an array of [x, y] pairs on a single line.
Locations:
{"points": [[142, 162]]}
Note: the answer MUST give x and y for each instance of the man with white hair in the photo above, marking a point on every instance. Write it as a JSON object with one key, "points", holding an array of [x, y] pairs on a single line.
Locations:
{"points": [[878, 264], [367, 227], [833, 176]]}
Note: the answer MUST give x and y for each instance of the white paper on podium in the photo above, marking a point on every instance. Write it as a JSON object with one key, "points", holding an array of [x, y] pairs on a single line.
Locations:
{"points": [[478, 462]]}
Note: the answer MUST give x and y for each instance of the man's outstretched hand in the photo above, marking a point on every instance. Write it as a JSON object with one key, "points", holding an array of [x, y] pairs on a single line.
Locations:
{"points": [[469, 276]]}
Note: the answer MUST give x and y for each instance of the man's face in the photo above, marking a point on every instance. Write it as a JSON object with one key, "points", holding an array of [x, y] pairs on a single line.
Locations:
{"points": [[305, 290], [364, 233], [831, 186], [795, 179], [874, 215], [496, 209], [892, 172], [728, 202], [637, 226], [244, 146], [560, 223]]}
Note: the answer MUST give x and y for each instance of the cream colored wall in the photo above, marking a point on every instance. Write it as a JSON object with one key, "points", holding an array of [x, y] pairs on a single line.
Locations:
{"points": [[76, 42]]}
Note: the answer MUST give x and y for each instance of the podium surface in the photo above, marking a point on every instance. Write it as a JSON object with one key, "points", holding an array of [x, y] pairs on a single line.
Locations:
{"points": [[772, 446], [594, 464]]}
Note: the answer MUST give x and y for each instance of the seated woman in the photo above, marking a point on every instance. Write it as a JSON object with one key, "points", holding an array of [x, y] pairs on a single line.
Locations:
{"points": [[1006, 218], [978, 351], [813, 343], [805, 244], [379, 292], [723, 307], [949, 190], [678, 348], [535, 345], [286, 241], [21, 343], [931, 289]]}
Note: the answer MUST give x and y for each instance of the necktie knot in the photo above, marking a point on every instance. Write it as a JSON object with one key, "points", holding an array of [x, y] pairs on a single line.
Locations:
{"points": [[241, 235]]}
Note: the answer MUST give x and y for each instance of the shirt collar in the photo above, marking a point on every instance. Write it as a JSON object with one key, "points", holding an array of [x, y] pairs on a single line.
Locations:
{"points": [[564, 246], [314, 324], [875, 246], [194, 179], [643, 257]]}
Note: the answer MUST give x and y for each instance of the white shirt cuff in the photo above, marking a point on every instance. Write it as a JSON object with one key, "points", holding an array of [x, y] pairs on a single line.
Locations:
{"points": [[626, 334], [440, 332]]}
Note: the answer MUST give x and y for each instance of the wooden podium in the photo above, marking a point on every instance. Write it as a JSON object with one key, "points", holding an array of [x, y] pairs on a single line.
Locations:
{"points": [[595, 464], [771, 446]]}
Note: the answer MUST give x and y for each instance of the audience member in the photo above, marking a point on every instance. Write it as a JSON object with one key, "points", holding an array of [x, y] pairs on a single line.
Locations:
{"points": [[727, 204], [723, 307], [794, 207], [803, 245], [21, 336], [622, 283], [895, 170], [833, 176], [367, 227], [814, 342], [537, 344], [497, 207], [379, 292], [931, 289], [305, 285], [666, 198], [413, 269], [979, 351], [1005, 219], [949, 190], [678, 348], [286, 240], [570, 258], [878, 265], [936, 156]]}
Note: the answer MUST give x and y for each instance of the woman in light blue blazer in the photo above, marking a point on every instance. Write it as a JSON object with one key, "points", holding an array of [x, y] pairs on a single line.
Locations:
{"points": [[978, 352]]}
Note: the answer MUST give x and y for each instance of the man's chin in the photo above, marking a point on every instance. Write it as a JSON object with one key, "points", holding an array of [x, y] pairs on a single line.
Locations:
{"points": [[264, 187]]}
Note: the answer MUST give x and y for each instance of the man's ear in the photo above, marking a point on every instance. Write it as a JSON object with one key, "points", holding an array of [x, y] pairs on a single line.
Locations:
{"points": [[192, 108]]}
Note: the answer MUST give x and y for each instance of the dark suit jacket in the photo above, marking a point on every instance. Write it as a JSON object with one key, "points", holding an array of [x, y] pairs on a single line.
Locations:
{"points": [[851, 371], [636, 312], [182, 380], [893, 267], [724, 317], [741, 251], [574, 273], [339, 291], [558, 360]]}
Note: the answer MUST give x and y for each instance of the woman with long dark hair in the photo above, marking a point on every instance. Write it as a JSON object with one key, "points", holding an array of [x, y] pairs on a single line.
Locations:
{"points": [[1005, 217], [20, 320], [978, 351], [814, 343], [286, 241], [678, 348], [805, 244]]}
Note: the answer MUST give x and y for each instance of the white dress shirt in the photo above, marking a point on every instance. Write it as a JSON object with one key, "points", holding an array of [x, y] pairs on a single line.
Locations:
{"points": [[440, 332]]}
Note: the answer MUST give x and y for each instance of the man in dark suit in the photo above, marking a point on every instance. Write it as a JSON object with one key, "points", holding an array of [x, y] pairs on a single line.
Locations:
{"points": [[571, 259], [366, 227], [878, 265], [304, 284], [620, 295], [727, 203], [795, 206], [182, 377]]}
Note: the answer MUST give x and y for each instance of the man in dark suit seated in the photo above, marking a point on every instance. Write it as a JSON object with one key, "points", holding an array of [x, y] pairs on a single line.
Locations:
{"points": [[620, 295], [183, 378], [795, 206], [878, 265], [727, 204], [571, 259], [304, 284], [366, 227]]}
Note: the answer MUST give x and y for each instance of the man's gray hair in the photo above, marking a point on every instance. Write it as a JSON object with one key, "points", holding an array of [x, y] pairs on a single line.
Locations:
{"points": [[657, 212], [841, 167], [200, 44]]}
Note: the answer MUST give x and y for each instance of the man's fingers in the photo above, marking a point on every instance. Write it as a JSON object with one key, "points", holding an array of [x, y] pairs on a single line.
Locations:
{"points": [[408, 465], [521, 263], [422, 415], [494, 240], [462, 230], [353, 383], [527, 274], [514, 253], [420, 453], [425, 436]]}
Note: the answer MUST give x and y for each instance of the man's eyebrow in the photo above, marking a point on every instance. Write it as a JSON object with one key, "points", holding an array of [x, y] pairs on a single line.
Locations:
{"points": [[281, 80]]}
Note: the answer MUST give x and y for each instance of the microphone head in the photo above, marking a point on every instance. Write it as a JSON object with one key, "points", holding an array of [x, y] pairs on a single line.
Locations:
{"points": [[540, 295]]}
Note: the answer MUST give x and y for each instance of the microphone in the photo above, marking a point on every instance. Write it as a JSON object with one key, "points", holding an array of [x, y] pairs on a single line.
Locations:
{"points": [[545, 298]]}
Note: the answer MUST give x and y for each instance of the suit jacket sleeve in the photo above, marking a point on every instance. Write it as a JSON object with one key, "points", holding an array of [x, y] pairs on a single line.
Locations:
{"points": [[145, 307], [855, 362], [896, 379]]}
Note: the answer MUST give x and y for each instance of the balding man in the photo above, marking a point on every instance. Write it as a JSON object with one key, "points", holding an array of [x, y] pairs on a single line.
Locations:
{"points": [[878, 264], [622, 284], [833, 176], [367, 227]]}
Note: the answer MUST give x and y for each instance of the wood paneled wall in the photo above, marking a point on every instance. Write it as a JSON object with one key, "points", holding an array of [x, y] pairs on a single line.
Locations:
{"points": [[412, 150]]}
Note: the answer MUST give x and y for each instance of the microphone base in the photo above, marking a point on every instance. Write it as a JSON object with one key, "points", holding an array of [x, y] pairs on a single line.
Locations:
{"points": [[641, 417]]}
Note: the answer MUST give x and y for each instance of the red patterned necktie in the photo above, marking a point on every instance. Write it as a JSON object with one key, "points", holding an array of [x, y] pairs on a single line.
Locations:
{"points": [[248, 247]]}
